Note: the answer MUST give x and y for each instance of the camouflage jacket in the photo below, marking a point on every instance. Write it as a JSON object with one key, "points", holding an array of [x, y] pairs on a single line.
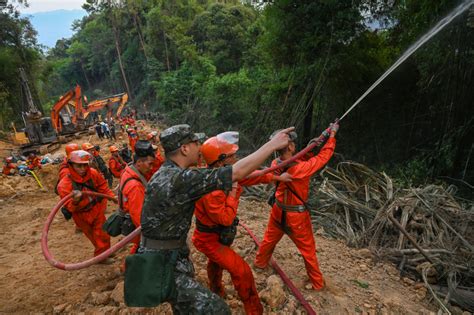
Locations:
{"points": [[170, 195]]}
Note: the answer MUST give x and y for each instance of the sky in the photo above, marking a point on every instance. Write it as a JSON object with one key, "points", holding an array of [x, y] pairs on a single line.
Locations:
{"points": [[50, 23], [51, 5]]}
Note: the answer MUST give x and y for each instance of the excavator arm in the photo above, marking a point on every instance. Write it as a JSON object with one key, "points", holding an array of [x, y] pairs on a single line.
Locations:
{"points": [[74, 98], [107, 103], [55, 117]]}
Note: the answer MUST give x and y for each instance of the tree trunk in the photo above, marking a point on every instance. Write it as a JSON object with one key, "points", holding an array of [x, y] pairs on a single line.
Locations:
{"points": [[308, 124], [85, 75], [119, 55], [166, 52], [139, 31]]}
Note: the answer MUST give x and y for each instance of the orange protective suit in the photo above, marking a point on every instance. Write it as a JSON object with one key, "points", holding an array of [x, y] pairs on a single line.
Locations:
{"points": [[132, 140], [88, 213], [63, 169], [116, 166], [133, 195], [159, 160], [33, 163], [216, 208], [298, 223]]}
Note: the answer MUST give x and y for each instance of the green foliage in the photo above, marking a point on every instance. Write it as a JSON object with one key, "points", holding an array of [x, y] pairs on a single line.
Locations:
{"points": [[18, 48], [221, 33], [221, 65]]}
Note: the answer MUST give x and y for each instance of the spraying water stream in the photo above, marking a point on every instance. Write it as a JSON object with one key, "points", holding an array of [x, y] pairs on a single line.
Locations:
{"points": [[438, 27]]}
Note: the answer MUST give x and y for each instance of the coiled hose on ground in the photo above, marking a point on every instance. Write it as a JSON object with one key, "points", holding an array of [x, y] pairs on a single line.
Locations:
{"points": [[83, 264]]}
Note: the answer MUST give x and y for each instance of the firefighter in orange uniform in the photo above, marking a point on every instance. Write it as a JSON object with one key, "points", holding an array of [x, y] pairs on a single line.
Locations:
{"points": [[9, 168], [116, 163], [132, 138], [87, 211], [290, 214], [33, 162], [216, 224], [133, 184]]}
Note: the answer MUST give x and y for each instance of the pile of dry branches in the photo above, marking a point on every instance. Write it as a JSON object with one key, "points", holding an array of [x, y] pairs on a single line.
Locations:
{"points": [[426, 231]]}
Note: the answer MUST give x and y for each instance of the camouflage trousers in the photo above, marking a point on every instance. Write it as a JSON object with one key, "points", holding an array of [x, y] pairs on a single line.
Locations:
{"points": [[191, 296]]}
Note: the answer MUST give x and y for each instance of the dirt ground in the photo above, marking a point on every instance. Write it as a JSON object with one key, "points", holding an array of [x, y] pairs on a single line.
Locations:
{"points": [[357, 283]]}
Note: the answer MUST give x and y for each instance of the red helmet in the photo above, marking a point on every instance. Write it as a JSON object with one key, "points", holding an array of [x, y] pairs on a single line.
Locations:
{"points": [[80, 157], [9, 159], [70, 148], [87, 146], [113, 149], [220, 147]]}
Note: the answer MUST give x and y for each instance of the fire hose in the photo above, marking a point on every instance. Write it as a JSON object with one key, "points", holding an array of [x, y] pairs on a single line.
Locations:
{"points": [[295, 157], [284, 277], [86, 263]]}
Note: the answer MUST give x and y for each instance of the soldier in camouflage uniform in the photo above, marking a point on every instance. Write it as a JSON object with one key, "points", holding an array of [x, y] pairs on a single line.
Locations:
{"points": [[169, 205]]}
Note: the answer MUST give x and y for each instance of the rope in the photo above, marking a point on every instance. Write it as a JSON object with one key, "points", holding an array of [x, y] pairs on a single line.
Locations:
{"points": [[86, 263]]}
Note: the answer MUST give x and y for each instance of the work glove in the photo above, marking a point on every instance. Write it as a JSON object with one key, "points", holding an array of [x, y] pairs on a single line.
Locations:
{"points": [[334, 128], [76, 196]]}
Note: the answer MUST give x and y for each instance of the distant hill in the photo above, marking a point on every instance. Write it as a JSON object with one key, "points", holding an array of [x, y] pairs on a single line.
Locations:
{"points": [[54, 25]]}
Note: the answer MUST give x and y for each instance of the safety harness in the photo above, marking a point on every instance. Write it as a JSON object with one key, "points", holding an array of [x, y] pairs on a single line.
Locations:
{"points": [[226, 233], [286, 207]]}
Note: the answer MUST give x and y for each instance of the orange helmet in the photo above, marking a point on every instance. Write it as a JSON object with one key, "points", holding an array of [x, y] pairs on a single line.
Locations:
{"points": [[151, 135], [113, 149], [220, 147], [87, 146], [80, 157], [71, 147]]}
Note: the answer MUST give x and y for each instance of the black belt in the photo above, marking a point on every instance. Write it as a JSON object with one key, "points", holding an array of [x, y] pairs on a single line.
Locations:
{"points": [[162, 244], [290, 208], [207, 229]]}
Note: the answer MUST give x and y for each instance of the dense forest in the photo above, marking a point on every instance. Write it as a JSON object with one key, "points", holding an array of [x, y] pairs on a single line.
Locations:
{"points": [[259, 66]]}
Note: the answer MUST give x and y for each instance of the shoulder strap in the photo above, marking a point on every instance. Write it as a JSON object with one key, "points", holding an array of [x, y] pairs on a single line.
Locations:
{"points": [[78, 186], [296, 195], [288, 185], [120, 195], [142, 178]]}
